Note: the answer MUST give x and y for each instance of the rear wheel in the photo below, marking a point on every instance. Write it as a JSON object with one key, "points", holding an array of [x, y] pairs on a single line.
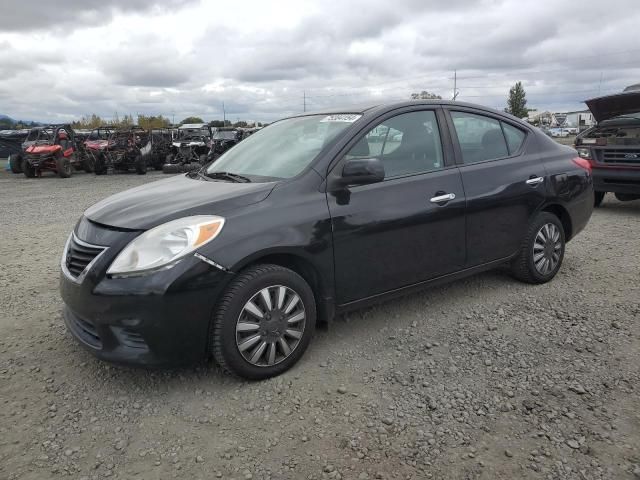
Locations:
{"points": [[100, 165], [542, 250], [89, 163], [263, 323], [15, 163], [627, 197], [28, 170], [171, 168], [141, 165], [597, 198], [63, 166]]}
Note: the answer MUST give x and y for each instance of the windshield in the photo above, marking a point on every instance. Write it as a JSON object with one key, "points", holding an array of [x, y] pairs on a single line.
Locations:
{"points": [[99, 134], [39, 134], [283, 149], [225, 135]]}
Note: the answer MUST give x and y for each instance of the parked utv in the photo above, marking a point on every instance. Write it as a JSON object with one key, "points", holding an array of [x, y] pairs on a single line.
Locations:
{"points": [[223, 140], [190, 148], [125, 149], [11, 146], [96, 143], [613, 145], [51, 148], [161, 145]]}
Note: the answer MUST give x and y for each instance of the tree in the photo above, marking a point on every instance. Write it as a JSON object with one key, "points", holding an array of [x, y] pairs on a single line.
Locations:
{"points": [[191, 120], [152, 121], [424, 95], [517, 101]]}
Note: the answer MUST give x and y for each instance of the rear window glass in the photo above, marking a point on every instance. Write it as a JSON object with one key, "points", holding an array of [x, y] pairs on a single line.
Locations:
{"points": [[480, 137], [514, 137]]}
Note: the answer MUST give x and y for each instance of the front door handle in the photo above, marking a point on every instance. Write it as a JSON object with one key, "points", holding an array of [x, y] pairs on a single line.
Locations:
{"points": [[443, 198], [534, 181]]}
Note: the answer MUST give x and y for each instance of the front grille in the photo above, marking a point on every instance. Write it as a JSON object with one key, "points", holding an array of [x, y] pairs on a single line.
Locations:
{"points": [[79, 255], [86, 331], [626, 156]]}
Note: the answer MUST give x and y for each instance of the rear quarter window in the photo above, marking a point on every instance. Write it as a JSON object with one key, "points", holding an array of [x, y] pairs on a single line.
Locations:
{"points": [[515, 137]]}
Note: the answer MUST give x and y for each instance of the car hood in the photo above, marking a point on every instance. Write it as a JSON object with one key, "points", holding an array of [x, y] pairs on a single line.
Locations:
{"points": [[150, 205], [612, 106]]}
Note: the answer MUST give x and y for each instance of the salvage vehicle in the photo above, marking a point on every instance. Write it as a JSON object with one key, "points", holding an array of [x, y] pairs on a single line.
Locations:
{"points": [[190, 146], [161, 145], [98, 140], [12, 146], [310, 217], [125, 149], [51, 148], [612, 146]]}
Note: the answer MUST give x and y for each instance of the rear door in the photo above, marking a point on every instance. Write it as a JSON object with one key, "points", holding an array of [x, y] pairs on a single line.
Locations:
{"points": [[408, 228], [503, 184]]}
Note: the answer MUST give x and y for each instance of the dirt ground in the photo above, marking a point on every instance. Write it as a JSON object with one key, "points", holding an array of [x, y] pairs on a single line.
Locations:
{"points": [[485, 378]]}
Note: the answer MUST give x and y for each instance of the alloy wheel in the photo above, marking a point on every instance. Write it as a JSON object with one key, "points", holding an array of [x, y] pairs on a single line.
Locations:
{"points": [[547, 248], [270, 326]]}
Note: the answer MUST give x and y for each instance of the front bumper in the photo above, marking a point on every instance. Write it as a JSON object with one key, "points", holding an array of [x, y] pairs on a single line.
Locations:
{"points": [[157, 320], [617, 180]]}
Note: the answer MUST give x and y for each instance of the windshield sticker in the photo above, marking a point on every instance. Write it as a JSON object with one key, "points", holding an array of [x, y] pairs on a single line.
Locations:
{"points": [[343, 117]]}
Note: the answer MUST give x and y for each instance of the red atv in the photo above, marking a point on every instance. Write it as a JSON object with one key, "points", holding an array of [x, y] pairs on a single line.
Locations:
{"points": [[51, 148], [95, 144]]}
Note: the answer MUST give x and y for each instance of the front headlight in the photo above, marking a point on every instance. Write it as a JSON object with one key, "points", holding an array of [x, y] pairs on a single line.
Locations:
{"points": [[161, 247], [584, 153]]}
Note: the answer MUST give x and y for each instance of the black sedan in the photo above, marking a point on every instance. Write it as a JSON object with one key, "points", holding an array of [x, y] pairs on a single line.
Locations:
{"points": [[309, 217]]}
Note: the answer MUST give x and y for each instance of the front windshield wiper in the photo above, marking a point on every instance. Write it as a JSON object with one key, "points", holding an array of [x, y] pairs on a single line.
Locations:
{"points": [[233, 177]]}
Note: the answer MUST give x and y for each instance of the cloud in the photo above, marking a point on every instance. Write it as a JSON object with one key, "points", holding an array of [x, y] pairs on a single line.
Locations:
{"points": [[261, 58]]}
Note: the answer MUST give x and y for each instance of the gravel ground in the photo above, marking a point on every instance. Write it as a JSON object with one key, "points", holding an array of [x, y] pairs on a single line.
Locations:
{"points": [[483, 378]]}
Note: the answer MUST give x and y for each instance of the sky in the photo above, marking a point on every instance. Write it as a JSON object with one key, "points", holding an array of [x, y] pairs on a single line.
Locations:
{"points": [[268, 59]]}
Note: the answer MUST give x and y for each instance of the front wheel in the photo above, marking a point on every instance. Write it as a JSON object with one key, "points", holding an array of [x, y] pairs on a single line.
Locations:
{"points": [[542, 250], [100, 164], [63, 166], [141, 165], [15, 163], [597, 198], [264, 322], [28, 170]]}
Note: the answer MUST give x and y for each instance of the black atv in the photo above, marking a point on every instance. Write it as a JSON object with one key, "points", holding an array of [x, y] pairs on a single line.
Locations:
{"points": [[189, 149], [12, 146], [223, 140], [126, 149], [161, 146]]}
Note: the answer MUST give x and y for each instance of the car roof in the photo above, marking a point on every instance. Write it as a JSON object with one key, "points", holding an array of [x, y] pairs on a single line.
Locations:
{"points": [[382, 107]]}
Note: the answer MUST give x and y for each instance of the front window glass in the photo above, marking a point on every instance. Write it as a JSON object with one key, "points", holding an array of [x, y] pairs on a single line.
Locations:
{"points": [[407, 144], [283, 149]]}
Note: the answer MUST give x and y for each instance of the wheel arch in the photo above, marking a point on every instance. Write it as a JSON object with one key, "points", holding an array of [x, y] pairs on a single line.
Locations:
{"points": [[563, 215], [306, 269]]}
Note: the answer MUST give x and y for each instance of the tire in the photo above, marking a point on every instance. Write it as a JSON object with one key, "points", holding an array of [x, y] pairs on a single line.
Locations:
{"points": [[27, 169], [172, 168], [157, 162], [100, 166], [190, 167], [89, 163], [265, 345], [63, 166], [627, 197], [141, 165], [524, 266], [202, 159], [15, 162], [597, 198]]}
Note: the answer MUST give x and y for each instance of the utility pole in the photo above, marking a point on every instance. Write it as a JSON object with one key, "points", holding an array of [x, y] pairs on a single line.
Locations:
{"points": [[304, 100], [455, 84], [224, 115], [600, 84]]}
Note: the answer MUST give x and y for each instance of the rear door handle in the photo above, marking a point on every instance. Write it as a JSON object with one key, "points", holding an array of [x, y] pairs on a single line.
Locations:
{"points": [[443, 198], [534, 181]]}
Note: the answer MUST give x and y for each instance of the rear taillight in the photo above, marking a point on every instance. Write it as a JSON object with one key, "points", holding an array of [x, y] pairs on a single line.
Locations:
{"points": [[582, 163]]}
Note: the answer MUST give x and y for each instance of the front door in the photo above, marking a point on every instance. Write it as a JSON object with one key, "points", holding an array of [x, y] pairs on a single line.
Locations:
{"points": [[408, 228]]}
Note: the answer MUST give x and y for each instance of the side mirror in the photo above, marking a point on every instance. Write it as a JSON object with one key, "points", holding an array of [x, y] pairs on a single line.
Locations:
{"points": [[360, 171]]}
